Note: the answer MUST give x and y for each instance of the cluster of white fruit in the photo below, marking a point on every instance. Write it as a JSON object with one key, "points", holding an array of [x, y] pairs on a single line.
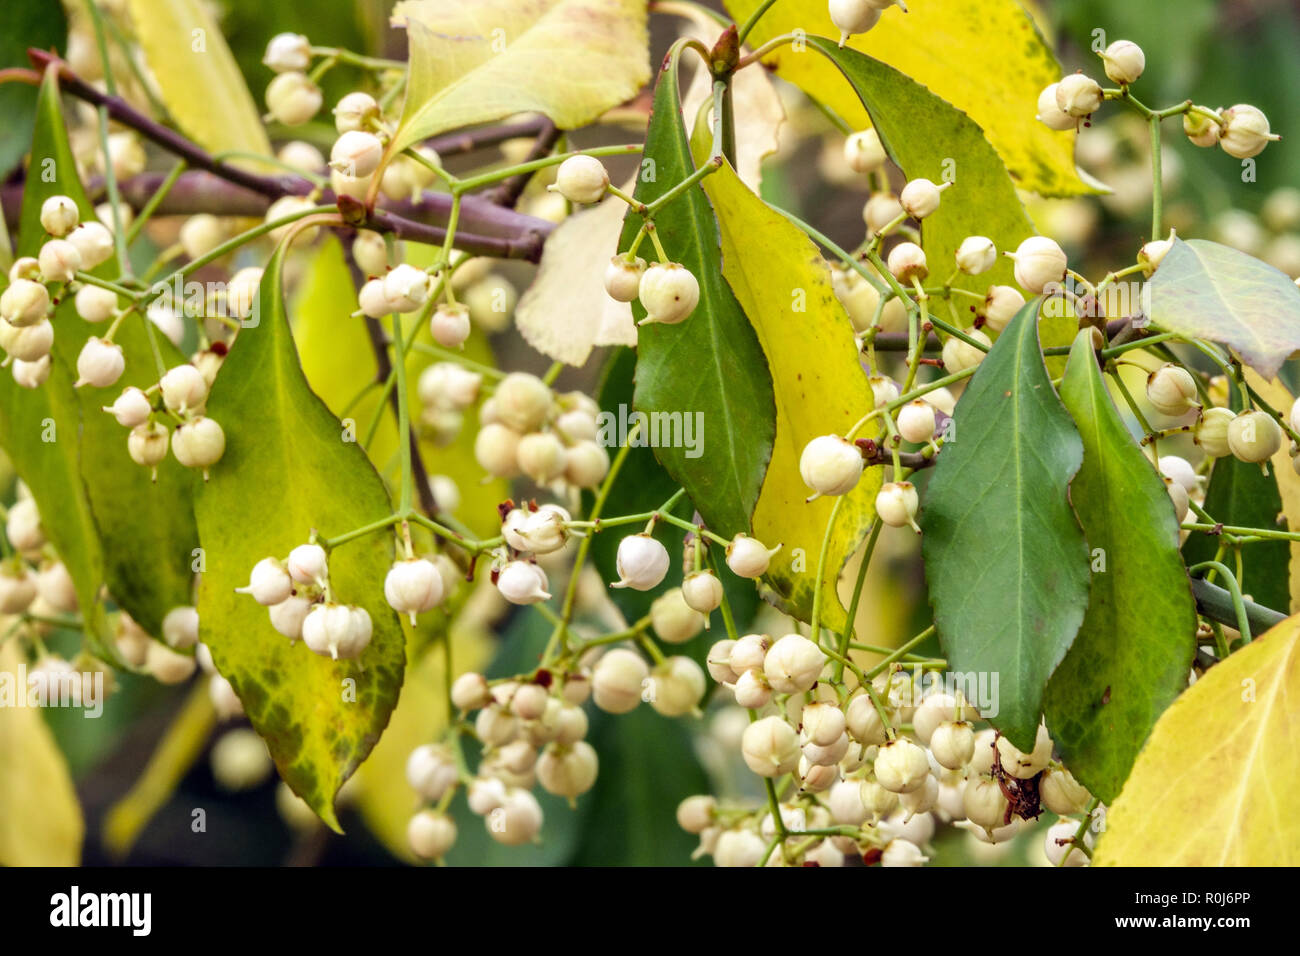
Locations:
{"points": [[33, 580], [37, 283], [858, 16], [180, 396], [525, 428], [297, 593], [881, 776], [1241, 131]]}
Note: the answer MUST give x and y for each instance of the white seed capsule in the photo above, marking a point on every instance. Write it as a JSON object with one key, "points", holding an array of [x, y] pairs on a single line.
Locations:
{"points": [[59, 216], [31, 374], [984, 803], [907, 261], [1181, 471], [23, 526], [292, 99], [880, 210], [407, 288], [167, 666], [199, 443], [308, 564], [623, 277], [864, 152], [953, 744], [901, 766], [822, 723], [470, 691], [748, 557], [617, 680], [26, 302], [770, 747], [59, 260], [1040, 262], [1254, 436], [586, 464], [1124, 61], [1245, 131], [1200, 129], [752, 689], [268, 583], [1078, 95], [523, 401], [1050, 114], [750, 652], [287, 52], [718, 662], [131, 408], [1212, 431], [696, 813], [863, 721], [581, 179], [522, 582], [568, 770], [976, 255], [430, 834], [1171, 390], [370, 251], [921, 197], [200, 234], [793, 664], [496, 450], [1061, 793], [1056, 845], [1001, 305], [673, 619], [739, 848], [450, 325], [902, 853], [241, 291], [337, 630], [916, 421], [830, 465], [99, 364], [356, 154], [287, 617], [94, 242], [147, 444], [676, 686], [702, 591], [18, 589], [897, 503], [542, 457], [94, 304], [544, 531], [355, 111], [184, 389], [669, 291], [642, 563], [448, 385], [413, 586], [853, 16], [373, 300]]}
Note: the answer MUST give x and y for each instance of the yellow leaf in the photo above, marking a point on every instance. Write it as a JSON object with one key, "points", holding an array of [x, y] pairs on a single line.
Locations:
{"points": [[40, 817], [987, 59], [1288, 482], [197, 77], [1215, 784], [386, 800], [566, 311], [477, 62], [783, 285]]}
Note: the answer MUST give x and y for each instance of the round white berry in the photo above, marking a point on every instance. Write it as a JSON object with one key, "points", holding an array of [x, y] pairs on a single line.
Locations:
{"points": [[59, 216], [100, 363], [669, 291], [642, 563], [581, 179]]}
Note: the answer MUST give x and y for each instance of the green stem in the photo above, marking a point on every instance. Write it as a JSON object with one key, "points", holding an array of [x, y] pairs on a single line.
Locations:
{"points": [[1238, 605], [750, 23], [155, 200], [847, 635], [496, 175]]}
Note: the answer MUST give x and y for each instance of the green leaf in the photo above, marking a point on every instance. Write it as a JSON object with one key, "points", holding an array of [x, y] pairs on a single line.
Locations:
{"points": [[784, 287], [473, 63], [40, 816], [987, 59], [647, 767], [709, 368], [927, 137], [90, 494], [23, 25], [1131, 656], [1208, 291], [185, 51], [1005, 560], [1216, 783], [288, 468], [643, 485]]}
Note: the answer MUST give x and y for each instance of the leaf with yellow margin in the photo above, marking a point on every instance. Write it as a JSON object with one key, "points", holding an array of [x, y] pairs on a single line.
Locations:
{"points": [[987, 59], [184, 48], [40, 816], [1215, 784], [476, 62], [783, 285]]}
